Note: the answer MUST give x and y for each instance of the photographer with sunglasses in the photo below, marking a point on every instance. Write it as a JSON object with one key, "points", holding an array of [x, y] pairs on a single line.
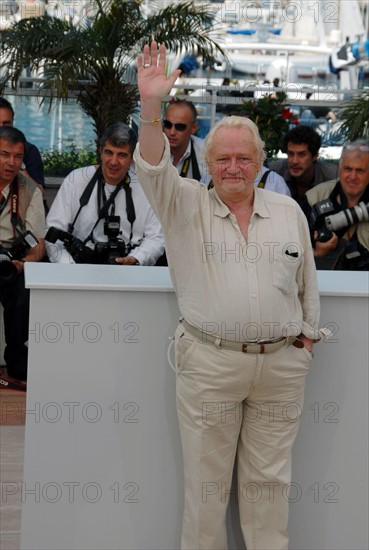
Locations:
{"points": [[180, 125], [344, 242]]}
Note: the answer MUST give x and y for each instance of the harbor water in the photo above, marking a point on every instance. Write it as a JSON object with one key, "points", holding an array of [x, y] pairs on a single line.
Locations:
{"points": [[56, 128]]}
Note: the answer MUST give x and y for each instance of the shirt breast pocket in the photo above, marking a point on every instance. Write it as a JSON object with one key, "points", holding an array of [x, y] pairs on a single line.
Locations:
{"points": [[285, 269]]}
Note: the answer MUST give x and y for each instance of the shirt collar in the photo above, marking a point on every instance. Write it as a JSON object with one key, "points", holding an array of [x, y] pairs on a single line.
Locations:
{"points": [[260, 207], [186, 153], [5, 191]]}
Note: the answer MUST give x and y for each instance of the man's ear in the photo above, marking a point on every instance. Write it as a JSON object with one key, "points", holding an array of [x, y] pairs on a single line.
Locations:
{"points": [[195, 125], [315, 157]]}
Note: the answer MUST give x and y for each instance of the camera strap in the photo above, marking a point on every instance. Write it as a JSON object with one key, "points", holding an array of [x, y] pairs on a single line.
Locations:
{"points": [[263, 179], [3, 203], [191, 159], [103, 209], [85, 197], [14, 205], [130, 207], [338, 197]]}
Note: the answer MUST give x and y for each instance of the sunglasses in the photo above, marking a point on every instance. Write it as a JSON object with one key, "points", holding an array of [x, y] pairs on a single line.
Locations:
{"points": [[179, 126]]}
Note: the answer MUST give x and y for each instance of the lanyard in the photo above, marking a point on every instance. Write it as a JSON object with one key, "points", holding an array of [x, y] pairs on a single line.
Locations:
{"points": [[103, 205], [195, 167], [13, 196], [3, 203]]}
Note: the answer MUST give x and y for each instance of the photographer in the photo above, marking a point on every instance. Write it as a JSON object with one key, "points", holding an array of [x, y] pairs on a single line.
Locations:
{"points": [[22, 228], [100, 214], [302, 170], [179, 125], [342, 241], [32, 165]]}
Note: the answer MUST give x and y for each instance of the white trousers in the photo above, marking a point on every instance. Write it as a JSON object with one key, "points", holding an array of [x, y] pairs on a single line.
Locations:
{"points": [[244, 407]]}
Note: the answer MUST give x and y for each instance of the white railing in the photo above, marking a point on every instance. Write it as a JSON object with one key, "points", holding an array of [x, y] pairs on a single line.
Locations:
{"points": [[208, 95]]}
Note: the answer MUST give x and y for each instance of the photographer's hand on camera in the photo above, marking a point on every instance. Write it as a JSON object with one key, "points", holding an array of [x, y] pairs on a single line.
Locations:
{"points": [[323, 248], [128, 260], [19, 264], [33, 255]]}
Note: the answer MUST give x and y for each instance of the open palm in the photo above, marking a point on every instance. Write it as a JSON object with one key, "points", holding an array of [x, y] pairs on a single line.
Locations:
{"points": [[152, 79]]}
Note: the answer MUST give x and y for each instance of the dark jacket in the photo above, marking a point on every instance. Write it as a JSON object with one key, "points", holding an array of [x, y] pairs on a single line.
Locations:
{"points": [[33, 163], [324, 171]]}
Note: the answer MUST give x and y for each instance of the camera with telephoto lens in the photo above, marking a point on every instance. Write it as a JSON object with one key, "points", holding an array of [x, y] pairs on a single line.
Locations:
{"points": [[106, 252], [325, 223], [348, 217], [80, 252], [356, 256], [102, 253], [8, 271]]}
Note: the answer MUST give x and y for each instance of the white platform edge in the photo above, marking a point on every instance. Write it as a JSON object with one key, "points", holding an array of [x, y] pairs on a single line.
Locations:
{"points": [[92, 277], [157, 279], [343, 283]]}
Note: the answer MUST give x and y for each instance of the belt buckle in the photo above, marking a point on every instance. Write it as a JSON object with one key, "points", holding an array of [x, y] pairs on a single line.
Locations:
{"points": [[245, 346]]}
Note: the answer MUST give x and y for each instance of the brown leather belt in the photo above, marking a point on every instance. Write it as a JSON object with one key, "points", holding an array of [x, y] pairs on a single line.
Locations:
{"points": [[267, 346]]}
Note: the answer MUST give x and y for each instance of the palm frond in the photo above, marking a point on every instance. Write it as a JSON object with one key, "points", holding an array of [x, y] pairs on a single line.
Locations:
{"points": [[355, 116], [183, 26], [32, 43], [107, 104], [92, 60]]}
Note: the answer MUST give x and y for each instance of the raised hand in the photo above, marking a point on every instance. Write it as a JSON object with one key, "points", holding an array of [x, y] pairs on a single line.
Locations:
{"points": [[153, 82]]}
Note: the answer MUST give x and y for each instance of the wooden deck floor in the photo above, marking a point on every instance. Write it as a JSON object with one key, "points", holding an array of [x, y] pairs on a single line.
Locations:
{"points": [[12, 407]]}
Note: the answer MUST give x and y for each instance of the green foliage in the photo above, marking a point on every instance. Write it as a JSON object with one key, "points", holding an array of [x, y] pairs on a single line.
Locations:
{"points": [[354, 115], [272, 117], [96, 60], [61, 163]]}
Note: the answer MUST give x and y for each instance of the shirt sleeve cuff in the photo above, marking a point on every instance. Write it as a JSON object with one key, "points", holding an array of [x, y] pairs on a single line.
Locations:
{"points": [[316, 334], [149, 168], [138, 256]]}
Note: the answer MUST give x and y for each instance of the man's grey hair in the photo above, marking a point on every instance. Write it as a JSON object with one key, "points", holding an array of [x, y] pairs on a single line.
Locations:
{"points": [[119, 134], [236, 122], [361, 145]]}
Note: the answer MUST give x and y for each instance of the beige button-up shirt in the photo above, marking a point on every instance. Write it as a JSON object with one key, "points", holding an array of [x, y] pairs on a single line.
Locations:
{"points": [[30, 200], [262, 288]]}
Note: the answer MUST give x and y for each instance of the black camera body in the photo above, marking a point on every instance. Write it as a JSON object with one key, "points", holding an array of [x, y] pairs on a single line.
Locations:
{"points": [[81, 253], [319, 213], [103, 252], [107, 251], [8, 271]]}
